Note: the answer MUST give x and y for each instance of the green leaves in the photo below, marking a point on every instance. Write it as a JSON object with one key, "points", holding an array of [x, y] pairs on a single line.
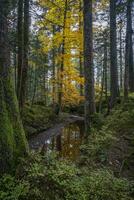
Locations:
{"points": [[103, 185], [50, 178], [12, 189]]}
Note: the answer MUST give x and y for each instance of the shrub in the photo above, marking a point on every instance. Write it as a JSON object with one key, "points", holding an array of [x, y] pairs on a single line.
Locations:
{"points": [[121, 121], [94, 152], [103, 185], [47, 178], [12, 189], [97, 121], [52, 179]]}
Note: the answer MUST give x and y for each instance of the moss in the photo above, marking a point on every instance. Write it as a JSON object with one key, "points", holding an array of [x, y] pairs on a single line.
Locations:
{"points": [[14, 116], [37, 118], [121, 121], [13, 142], [7, 143]]}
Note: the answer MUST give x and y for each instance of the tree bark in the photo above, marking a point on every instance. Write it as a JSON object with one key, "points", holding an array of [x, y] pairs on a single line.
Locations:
{"points": [[23, 44], [128, 79], [113, 55], [102, 87], [88, 64], [105, 68], [80, 54], [53, 72], [104, 75], [121, 59], [20, 49], [131, 62], [26, 49], [63, 54]]}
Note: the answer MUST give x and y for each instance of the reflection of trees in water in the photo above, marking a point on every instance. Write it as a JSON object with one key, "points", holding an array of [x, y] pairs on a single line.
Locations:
{"points": [[69, 141], [53, 143], [58, 143]]}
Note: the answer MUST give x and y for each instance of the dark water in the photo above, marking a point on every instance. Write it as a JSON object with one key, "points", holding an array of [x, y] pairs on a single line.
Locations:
{"points": [[68, 142]]}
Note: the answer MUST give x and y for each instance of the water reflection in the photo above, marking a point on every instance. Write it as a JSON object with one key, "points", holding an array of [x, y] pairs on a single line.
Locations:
{"points": [[68, 142]]}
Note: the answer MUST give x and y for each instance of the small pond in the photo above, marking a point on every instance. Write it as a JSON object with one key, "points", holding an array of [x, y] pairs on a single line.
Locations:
{"points": [[68, 142]]}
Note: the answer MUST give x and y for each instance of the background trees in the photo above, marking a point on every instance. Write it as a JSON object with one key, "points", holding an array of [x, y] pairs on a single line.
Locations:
{"points": [[63, 59]]}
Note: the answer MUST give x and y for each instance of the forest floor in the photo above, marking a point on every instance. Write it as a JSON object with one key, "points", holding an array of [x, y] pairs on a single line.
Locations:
{"points": [[121, 153], [118, 134], [112, 144], [41, 124], [121, 156], [104, 169]]}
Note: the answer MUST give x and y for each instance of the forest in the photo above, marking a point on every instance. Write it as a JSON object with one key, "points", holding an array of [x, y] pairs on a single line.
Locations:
{"points": [[66, 99]]}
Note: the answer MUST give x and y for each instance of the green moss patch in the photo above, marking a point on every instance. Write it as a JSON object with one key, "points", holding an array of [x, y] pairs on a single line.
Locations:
{"points": [[38, 118]]}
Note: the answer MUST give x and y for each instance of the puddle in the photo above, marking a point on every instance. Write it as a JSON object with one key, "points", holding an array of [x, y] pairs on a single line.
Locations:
{"points": [[68, 142]]}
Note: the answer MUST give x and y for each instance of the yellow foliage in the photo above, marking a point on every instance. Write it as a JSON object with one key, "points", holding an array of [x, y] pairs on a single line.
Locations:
{"points": [[73, 45]]}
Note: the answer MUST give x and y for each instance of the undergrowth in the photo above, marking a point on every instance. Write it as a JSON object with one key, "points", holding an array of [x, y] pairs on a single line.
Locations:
{"points": [[47, 177]]}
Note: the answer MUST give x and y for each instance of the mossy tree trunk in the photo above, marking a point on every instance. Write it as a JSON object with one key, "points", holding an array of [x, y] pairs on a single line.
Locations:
{"points": [[12, 137]]}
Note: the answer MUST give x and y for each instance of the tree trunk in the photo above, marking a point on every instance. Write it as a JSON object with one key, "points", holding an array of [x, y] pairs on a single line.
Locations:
{"points": [[128, 79], [88, 64], [15, 70], [25, 58], [34, 87], [102, 88], [80, 54], [45, 95], [23, 42], [81, 73], [62, 61], [53, 75], [20, 49], [121, 63], [104, 75], [131, 62], [12, 138], [105, 68], [113, 55]]}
